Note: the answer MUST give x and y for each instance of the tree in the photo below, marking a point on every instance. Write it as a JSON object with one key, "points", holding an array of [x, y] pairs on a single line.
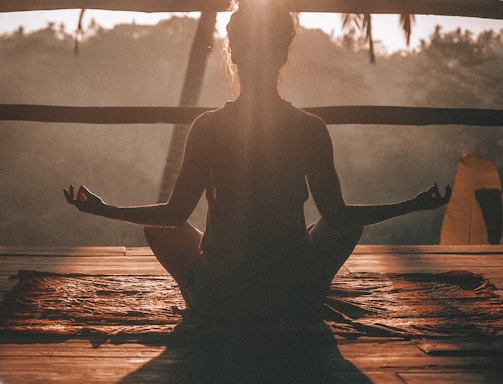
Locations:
{"points": [[363, 23]]}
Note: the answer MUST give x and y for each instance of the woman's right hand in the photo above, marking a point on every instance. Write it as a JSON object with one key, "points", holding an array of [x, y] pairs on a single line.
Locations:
{"points": [[85, 200]]}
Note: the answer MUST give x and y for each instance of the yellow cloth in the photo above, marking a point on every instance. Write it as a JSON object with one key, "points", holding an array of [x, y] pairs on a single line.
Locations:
{"points": [[463, 221]]}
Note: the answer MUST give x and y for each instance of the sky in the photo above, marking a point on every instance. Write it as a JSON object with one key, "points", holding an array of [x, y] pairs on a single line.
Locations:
{"points": [[385, 29]]}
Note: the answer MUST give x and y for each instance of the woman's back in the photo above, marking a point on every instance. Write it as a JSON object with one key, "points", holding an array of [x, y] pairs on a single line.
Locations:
{"points": [[257, 183], [257, 258]]}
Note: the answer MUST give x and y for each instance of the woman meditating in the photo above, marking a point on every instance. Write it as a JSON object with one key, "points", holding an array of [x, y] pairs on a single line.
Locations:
{"points": [[256, 159]]}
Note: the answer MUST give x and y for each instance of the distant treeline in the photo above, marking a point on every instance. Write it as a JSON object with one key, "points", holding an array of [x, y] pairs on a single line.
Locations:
{"points": [[134, 65]]}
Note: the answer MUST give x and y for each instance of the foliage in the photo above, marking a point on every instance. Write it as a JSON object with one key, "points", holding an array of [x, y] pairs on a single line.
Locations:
{"points": [[457, 67], [363, 24], [144, 65]]}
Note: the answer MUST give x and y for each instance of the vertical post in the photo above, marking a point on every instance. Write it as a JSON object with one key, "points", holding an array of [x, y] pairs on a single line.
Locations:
{"points": [[194, 76]]}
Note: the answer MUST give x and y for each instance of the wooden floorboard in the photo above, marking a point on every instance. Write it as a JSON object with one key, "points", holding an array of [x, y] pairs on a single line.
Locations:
{"points": [[366, 360], [62, 251]]}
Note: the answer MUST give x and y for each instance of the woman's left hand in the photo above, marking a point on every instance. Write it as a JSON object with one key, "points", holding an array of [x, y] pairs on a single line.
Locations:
{"points": [[432, 199]]}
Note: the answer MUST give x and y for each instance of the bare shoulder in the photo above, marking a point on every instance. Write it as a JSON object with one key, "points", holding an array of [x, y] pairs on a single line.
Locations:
{"points": [[306, 118], [210, 118], [309, 123]]}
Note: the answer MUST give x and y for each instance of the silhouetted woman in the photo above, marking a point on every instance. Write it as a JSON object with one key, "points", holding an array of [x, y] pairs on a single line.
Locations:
{"points": [[256, 159]]}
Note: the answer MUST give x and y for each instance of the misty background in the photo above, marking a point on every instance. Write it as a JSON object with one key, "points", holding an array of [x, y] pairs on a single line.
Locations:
{"points": [[135, 65]]}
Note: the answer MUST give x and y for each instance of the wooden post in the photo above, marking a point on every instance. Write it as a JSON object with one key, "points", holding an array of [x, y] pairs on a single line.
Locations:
{"points": [[194, 76]]}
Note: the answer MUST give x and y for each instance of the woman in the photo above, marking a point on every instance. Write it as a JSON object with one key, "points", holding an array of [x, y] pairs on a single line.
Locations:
{"points": [[255, 159]]}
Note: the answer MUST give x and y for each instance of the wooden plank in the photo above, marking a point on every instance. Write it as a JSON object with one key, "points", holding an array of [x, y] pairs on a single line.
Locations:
{"points": [[398, 355], [68, 370], [381, 377], [463, 347], [152, 369], [116, 5], [391, 249], [136, 263], [79, 348], [416, 266], [61, 251], [383, 115], [480, 258], [139, 251], [77, 260], [352, 349], [100, 115], [470, 8], [460, 377], [113, 265], [152, 269], [394, 249], [399, 364], [429, 249], [95, 369], [422, 260], [370, 355]]}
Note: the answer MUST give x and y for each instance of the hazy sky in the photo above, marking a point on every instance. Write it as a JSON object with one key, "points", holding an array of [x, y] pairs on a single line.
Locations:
{"points": [[385, 27]]}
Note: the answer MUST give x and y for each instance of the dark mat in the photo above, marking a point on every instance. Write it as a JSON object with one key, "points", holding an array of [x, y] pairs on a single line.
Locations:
{"points": [[456, 303]]}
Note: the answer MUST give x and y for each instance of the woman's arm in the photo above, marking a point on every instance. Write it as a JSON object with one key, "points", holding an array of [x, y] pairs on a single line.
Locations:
{"points": [[326, 190], [162, 214], [186, 192], [372, 214]]}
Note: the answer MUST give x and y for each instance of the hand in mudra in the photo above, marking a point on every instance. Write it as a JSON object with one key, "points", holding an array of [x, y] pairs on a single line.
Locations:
{"points": [[432, 199], [84, 200]]}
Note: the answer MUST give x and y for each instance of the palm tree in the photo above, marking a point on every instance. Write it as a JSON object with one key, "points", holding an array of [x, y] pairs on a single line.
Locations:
{"points": [[363, 23]]}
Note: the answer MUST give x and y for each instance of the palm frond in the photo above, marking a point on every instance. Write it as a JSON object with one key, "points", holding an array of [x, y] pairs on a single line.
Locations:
{"points": [[350, 20], [406, 23], [367, 26], [79, 32]]}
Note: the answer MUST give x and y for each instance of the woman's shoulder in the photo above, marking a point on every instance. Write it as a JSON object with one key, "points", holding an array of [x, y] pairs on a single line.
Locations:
{"points": [[211, 117], [306, 119], [300, 114]]}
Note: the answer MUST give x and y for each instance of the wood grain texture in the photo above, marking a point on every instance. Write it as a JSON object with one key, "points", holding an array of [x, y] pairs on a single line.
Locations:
{"points": [[382, 360]]}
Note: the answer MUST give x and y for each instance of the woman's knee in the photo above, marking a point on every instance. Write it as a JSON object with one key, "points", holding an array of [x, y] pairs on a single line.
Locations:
{"points": [[175, 248], [184, 239], [321, 232]]}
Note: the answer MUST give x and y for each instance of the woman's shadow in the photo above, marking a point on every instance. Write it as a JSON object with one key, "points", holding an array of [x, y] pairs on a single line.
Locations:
{"points": [[264, 358]]}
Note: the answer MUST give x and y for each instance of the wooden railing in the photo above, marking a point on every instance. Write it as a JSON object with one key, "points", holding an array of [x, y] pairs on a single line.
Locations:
{"points": [[492, 9], [185, 115]]}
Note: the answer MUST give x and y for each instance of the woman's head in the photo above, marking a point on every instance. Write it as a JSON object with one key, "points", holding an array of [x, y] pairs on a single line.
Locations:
{"points": [[260, 33]]}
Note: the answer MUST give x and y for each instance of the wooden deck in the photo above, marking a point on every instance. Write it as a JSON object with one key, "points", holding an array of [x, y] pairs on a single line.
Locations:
{"points": [[366, 360]]}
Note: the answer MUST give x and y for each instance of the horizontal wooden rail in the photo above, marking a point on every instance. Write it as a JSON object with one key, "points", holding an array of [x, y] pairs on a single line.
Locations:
{"points": [[492, 9], [185, 115]]}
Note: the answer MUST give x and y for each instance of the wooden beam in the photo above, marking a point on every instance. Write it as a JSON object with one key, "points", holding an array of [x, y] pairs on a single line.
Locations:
{"points": [[100, 115], [116, 5], [385, 115], [491, 9]]}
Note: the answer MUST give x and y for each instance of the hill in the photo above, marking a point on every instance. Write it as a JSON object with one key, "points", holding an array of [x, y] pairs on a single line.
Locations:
{"points": [[134, 65]]}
